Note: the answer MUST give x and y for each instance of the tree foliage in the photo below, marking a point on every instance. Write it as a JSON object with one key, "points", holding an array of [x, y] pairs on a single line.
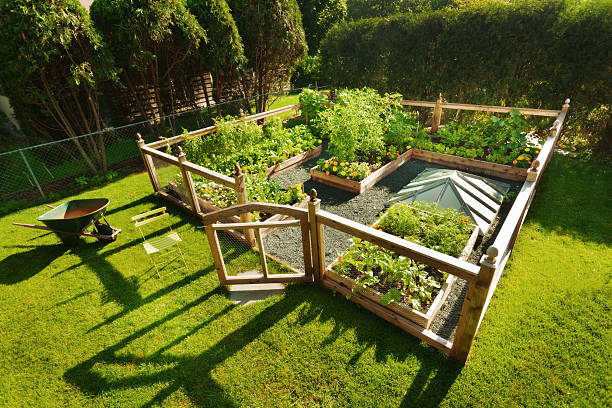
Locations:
{"points": [[318, 16], [274, 42], [150, 41], [222, 53], [52, 63], [525, 53]]}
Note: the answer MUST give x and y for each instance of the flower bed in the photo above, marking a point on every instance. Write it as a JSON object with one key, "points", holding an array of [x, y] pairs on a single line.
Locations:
{"points": [[355, 185], [413, 290]]}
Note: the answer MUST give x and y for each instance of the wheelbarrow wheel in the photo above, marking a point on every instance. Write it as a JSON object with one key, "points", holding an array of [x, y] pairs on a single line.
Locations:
{"points": [[103, 229]]}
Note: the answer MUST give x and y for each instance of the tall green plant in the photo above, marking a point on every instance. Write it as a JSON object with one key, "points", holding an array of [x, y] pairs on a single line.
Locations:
{"points": [[273, 42], [52, 63], [355, 124]]}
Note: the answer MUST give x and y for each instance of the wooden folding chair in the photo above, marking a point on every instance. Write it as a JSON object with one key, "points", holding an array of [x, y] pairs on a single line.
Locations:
{"points": [[159, 246]]}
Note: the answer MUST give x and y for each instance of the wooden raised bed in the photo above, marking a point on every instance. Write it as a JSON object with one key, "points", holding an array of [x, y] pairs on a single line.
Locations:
{"points": [[424, 319], [294, 161], [359, 187], [209, 207], [472, 165]]}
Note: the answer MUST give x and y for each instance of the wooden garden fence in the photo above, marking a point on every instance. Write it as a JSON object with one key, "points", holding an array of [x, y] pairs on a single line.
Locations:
{"points": [[482, 279]]}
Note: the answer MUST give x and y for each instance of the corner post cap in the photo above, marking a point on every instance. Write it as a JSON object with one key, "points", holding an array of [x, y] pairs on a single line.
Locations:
{"points": [[237, 169], [180, 152], [440, 96], [139, 137], [566, 105], [492, 253], [535, 165], [313, 195]]}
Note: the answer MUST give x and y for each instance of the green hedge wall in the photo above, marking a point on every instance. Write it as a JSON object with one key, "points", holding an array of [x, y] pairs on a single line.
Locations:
{"points": [[523, 53]]}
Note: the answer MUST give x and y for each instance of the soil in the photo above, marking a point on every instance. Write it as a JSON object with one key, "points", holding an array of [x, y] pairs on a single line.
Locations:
{"points": [[366, 208]]}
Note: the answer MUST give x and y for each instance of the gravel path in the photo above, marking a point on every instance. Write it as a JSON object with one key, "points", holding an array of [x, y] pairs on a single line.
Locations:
{"points": [[365, 208]]}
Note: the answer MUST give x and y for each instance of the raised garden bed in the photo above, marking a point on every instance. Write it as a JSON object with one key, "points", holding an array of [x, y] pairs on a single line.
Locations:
{"points": [[355, 186], [423, 317]]}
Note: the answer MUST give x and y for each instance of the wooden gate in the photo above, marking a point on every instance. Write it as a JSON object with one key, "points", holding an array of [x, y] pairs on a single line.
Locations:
{"points": [[251, 234]]}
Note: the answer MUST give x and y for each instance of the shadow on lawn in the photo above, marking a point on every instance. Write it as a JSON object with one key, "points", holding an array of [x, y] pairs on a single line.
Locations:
{"points": [[18, 267], [193, 374]]}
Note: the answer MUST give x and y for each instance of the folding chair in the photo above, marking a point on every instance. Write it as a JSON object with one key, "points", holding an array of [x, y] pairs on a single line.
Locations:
{"points": [[162, 246]]}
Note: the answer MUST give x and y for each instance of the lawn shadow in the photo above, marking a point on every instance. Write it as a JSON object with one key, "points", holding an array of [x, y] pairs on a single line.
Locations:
{"points": [[193, 374], [21, 266]]}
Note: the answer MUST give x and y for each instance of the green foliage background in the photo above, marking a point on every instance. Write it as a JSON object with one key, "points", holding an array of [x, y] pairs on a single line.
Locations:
{"points": [[519, 53]]}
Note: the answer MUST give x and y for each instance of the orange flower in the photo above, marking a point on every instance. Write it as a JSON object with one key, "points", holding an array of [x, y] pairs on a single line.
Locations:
{"points": [[327, 172], [514, 162], [520, 158]]}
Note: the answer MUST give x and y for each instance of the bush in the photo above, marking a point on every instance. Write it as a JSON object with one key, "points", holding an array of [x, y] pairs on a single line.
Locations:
{"points": [[521, 53]]}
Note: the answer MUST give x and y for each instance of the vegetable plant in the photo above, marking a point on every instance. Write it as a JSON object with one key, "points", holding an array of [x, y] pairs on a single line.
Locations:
{"points": [[399, 278]]}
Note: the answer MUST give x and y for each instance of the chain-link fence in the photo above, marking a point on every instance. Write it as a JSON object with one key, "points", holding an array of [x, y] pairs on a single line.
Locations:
{"points": [[58, 167]]}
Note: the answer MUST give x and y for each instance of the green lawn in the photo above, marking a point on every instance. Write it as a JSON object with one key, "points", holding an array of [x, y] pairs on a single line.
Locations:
{"points": [[92, 326]]}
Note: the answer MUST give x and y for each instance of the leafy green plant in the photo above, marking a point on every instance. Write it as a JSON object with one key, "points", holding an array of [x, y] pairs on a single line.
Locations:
{"points": [[399, 278]]}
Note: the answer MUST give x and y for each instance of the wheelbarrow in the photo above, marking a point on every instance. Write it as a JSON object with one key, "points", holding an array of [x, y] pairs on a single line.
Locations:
{"points": [[71, 219]]}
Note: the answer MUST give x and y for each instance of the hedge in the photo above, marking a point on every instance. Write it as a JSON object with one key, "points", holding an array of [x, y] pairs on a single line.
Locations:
{"points": [[524, 53]]}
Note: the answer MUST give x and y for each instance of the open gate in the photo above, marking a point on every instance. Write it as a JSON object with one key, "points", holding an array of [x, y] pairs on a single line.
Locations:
{"points": [[283, 223]]}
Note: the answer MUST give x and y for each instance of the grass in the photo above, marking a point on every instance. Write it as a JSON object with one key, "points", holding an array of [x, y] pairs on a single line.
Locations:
{"points": [[92, 326]]}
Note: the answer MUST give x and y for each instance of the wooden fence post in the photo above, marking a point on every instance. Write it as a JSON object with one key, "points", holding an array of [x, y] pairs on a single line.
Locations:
{"points": [[148, 161], [437, 115], [243, 198], [473, 305], [317, 240], [188, 182]]}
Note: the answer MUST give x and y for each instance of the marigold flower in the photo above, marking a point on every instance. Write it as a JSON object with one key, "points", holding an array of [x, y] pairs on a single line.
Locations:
{"points": [[343, 173], [514, 162], [334, 168], [319, 141], [327, 172], [537, 151], [520, 158], [408, 147], [354, 174], [526, 149], [411, 139], [326, 165]]}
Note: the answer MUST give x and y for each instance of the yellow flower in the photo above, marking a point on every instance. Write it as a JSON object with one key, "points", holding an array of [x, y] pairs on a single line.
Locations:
{"points": [[343, 173], [335, 163], [408, 147], [526, 149], [334, 168], [537, 151], [326, 165], [319, 141], [411, 139], [520, 158], [350, 169], [354, 174]]}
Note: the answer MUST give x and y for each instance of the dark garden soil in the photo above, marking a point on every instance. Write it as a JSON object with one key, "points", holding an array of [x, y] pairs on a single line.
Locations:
{"points": [[365, 208]]}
